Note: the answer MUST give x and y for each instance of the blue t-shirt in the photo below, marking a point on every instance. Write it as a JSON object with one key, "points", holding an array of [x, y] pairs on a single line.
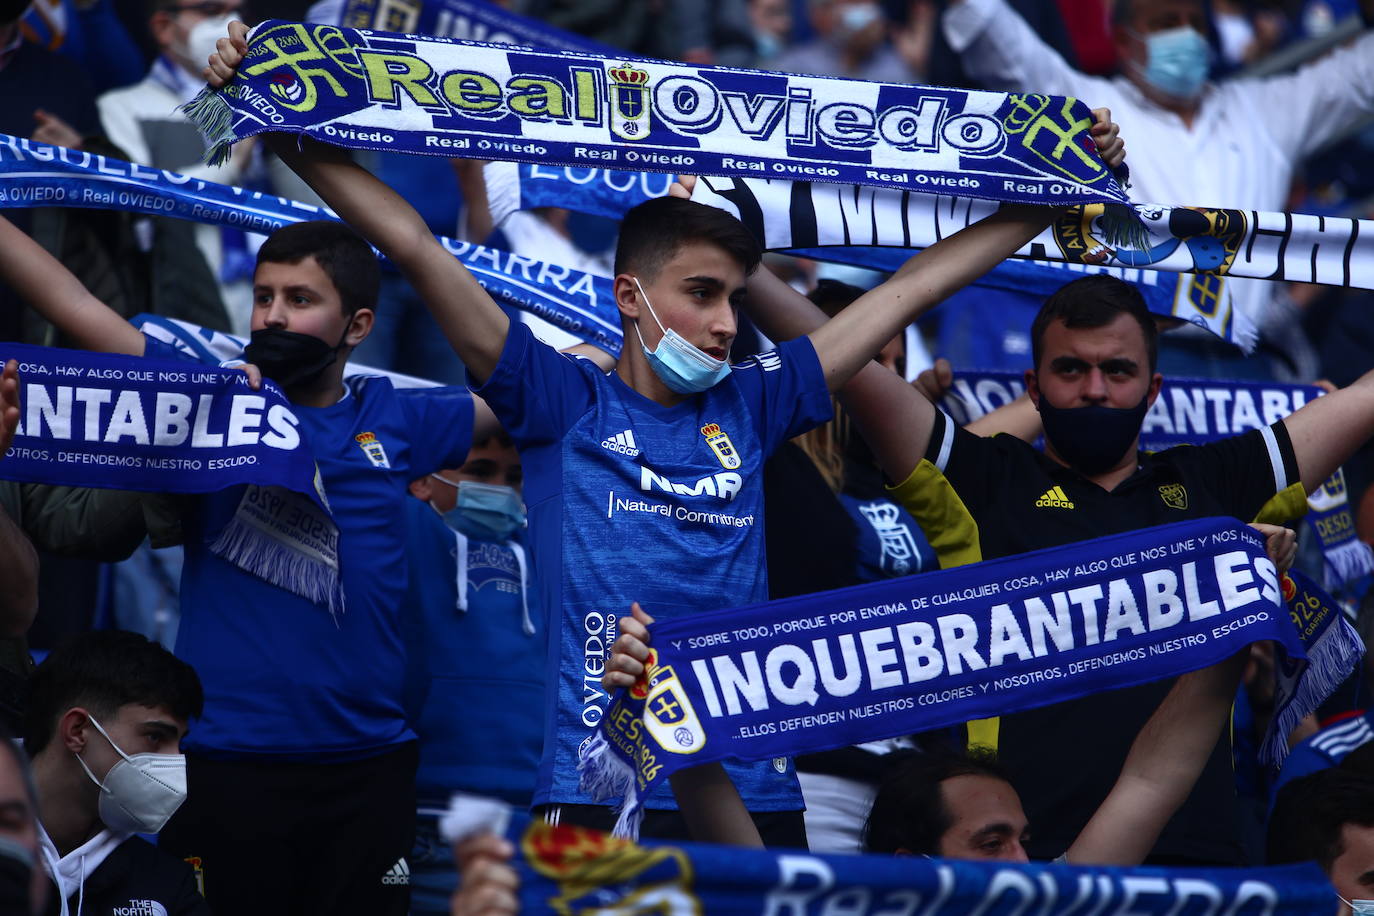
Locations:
{"points": [[633, 501], [889, 542], [473, 685], [282, 677]]}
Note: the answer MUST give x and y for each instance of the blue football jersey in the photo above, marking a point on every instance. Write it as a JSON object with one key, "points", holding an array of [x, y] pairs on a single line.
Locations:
{"points": [[284, 678], [633, 501]]}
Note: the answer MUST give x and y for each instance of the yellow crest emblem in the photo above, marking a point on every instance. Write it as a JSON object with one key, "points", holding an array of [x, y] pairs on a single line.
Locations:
{"points": [[1174, 495]]}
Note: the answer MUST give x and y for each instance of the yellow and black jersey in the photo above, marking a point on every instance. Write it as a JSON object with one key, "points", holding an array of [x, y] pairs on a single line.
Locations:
{"points": [[982, 498]]}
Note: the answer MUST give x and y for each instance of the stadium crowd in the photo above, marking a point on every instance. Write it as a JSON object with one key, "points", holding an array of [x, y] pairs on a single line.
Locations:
{"points": [[188, 736]]}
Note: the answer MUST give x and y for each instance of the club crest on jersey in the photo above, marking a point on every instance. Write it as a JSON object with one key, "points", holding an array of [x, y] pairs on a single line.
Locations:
{"points": [[1174, 495], [669, 716], [720, 444], [373, 449]]}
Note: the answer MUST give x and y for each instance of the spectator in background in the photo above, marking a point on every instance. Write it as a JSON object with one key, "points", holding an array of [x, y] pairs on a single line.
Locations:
{"points": [[143, 122], [851, 41], [1229, 144], [470, 600], [770, 23], [23, 883], [34, 81], [107, 712], [1329, 816], [90, 35]]}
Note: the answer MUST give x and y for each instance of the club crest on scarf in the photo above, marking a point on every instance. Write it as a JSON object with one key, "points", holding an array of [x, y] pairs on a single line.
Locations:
{"points": [[629, 102], [1052, 133], [720, 443], [596, 872]]}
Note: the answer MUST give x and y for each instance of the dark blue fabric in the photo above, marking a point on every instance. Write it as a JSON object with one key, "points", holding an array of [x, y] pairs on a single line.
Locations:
{"points": [[282, 678]]}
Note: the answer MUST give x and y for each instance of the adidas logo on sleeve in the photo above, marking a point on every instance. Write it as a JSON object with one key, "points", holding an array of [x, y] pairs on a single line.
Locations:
{"points": [[624, 443], [398, 873], [1054, 498]]}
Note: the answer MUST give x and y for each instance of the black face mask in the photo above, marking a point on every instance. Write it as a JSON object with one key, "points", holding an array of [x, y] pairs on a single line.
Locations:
{"points": [[288, 358], [1092, 439], [16, 868]]}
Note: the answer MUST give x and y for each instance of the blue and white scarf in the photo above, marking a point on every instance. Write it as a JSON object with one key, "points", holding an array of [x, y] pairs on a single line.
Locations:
{"points": [[608, 193], [36, 175], [1194, 411], [908, 655], [1332, 649], [410, 93], [564, 869], [1209, 244], [129, 423]]}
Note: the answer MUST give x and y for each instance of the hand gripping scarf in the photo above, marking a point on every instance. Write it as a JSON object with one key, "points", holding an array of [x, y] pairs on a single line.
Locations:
{"points": [[132, 423]]}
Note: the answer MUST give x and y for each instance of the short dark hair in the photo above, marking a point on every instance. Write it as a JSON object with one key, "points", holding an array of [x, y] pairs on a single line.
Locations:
{"points": [[103, 670], [1094, 301], [1309, 813], [652, 233], [909, 810], [342, 254]]}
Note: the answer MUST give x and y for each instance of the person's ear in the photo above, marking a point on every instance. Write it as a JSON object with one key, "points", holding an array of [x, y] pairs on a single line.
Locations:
{"points": [[1156, 383], [626, 296], [71, 729], [422, 488], [359, 326], [1033, 387]]}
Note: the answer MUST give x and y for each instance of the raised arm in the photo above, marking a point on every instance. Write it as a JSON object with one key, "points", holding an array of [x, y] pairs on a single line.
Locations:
{"points": [[1170, 752], [845, 343], [999, 49], [59, 297], [473, 323], [1164, 762], [706, 796], [1327, 431]]}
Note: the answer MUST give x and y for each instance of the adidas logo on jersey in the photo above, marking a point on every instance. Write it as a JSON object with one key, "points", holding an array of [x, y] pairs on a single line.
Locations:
{"points": [[1054, 498], [624, 443], [398, 873]]}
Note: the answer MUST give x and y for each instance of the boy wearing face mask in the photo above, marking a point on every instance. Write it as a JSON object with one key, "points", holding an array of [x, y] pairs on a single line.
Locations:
{"points": [[470, 600], [304, 719], [107, 712], [645, 484]]}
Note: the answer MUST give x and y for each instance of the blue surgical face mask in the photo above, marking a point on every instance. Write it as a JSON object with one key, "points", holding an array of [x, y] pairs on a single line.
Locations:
{"points": [[485, 511], [1359, 907], [1176, 61], [682, 366]]}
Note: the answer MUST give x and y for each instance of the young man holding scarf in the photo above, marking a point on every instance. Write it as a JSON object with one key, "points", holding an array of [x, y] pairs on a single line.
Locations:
{"points": [[1093, 346], [643, 484], [304, 722]]}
